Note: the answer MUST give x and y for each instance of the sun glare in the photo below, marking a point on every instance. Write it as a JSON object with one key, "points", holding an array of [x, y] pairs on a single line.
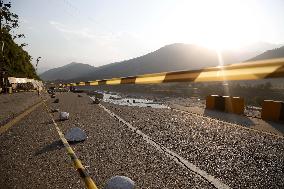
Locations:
{"points": [[216, 24]]}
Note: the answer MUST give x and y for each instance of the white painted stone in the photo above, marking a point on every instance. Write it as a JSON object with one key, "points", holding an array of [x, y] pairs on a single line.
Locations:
{"points": [[75, 135], [64, 116], [120, 182]]}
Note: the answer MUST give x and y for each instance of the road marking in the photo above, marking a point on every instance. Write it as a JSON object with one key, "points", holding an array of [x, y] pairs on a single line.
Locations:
{"points": [[11, 123], [89, 183], [174, 156]]}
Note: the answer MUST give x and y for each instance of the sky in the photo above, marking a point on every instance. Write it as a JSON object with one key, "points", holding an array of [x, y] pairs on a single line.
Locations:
{"points": [[99, 32]]}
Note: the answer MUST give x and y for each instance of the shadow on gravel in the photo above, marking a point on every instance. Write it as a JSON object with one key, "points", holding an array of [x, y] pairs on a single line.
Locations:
{"points": [[56, 145], [279, 126], [46, 122], [51, 122], [232, 118]]}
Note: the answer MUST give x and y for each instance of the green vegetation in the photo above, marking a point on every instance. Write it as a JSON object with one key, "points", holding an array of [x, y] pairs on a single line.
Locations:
{"points": [[13, 57]]}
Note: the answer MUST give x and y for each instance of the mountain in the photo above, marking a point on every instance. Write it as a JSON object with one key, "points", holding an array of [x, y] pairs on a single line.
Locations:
{"points": [[172, 57], [41, 69], [270, 54], [67, 72]]}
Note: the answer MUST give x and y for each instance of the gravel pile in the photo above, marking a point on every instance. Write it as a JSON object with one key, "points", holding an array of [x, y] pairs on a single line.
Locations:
{"points": [[239, 157]]}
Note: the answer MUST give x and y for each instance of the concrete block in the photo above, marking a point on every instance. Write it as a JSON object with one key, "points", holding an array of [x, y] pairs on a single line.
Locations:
{"points": [[234, 105], [210, 102], [271, 110], [220, 103]]}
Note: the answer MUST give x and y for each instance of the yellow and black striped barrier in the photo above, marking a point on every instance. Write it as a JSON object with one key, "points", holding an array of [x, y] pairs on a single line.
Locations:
{"points": [[264, 69], [272, 110], [90, 184]]}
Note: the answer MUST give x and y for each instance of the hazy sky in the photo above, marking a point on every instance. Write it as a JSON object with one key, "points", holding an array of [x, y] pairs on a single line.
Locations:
{"points": [[98, 32]]}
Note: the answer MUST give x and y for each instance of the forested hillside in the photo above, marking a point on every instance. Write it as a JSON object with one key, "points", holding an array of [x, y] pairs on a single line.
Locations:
{"points": [[13, 57], [16, 61]]}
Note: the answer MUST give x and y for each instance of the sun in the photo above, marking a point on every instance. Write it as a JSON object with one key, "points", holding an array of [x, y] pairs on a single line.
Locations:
{"points": [[219, 24]]}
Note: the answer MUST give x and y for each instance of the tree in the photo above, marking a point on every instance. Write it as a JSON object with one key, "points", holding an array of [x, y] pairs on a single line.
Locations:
{"points": [[14, 58], [8, 20]]}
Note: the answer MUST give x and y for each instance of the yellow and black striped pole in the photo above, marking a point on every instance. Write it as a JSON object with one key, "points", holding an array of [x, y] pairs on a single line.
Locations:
{"points": [[264, 69]]}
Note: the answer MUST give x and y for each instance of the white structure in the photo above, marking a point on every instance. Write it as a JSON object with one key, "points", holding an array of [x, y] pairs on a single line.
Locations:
{"points": [[36, 83]]}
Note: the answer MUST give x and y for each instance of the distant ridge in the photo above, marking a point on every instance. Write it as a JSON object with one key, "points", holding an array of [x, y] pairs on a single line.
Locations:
{"points": [[67, 72], [172, 57], [270, 54]]}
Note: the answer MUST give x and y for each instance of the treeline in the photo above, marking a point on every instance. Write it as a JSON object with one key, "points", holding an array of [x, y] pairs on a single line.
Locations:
{"points": [[13, 58]]}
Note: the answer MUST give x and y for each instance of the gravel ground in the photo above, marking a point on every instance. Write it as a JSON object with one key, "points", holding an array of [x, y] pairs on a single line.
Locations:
{"points": [[252, 118], [112, 149], [33, 157], [276, 128], [241, 158], [13, 104]]}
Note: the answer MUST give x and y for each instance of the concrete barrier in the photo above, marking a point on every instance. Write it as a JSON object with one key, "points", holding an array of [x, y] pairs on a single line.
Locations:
{"points": [[225, 104], [234, 105], [210, 102], [272, 110]]}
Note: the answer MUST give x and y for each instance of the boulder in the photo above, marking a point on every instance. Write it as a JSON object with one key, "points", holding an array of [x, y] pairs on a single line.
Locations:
{"points": [[63, 116], [96, 101], [75, 135], [120, 182]]}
